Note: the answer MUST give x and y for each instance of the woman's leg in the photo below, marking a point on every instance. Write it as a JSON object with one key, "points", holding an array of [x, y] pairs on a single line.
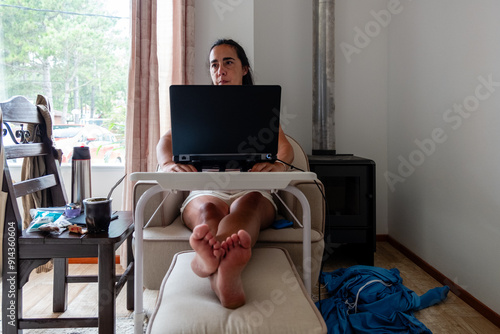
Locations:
{"points": [[251, 212], [203, 215], [207, 210], [223, 238], [238, 232]]}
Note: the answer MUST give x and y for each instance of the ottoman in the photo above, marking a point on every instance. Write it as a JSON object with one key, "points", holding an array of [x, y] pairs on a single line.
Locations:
{"points": [[276, 300]]}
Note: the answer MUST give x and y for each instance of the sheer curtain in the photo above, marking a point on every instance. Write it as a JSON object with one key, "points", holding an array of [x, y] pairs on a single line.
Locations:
{"points": [[162, 53], [175, 50], [142, 126]]}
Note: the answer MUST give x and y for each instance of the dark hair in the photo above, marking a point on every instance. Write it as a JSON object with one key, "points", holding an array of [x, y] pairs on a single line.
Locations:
{"points": [[247, 78]]}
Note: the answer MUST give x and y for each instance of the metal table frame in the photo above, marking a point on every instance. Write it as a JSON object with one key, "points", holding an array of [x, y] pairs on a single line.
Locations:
{"points": [[174, 182]]}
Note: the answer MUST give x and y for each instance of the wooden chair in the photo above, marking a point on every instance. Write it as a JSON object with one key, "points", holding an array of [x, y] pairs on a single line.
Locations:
{"points": [[23, 251], [19, 110]]}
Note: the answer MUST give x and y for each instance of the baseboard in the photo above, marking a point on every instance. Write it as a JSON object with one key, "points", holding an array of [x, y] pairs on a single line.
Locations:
{"points": [[89, 260], [382, 238], [433, 272]]}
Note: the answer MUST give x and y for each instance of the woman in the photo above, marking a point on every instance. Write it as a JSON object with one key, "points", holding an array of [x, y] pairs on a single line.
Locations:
{"points": [[226, 225]]}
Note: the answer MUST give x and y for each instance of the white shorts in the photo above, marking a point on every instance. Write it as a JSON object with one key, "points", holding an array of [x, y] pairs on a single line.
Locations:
{"points": [[227, 196]]}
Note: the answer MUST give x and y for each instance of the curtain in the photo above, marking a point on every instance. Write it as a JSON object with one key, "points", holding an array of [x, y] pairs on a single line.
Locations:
{"points": [[176, 52], [159, 58], [142, 130], [171, 40], [183, 42]]}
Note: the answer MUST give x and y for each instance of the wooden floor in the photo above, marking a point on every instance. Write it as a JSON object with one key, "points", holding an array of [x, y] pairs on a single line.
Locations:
{"points": [[453, 316]]}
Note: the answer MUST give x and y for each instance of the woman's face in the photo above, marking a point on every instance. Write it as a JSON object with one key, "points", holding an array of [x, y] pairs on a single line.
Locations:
{"points": [[225, 66]]}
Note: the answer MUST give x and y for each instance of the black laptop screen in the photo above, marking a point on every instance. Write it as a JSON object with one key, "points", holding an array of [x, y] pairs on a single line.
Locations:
{"points": [[218, 126]]}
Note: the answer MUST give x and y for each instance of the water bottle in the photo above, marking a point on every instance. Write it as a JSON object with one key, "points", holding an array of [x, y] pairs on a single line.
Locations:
{"points": [[80, 176]]}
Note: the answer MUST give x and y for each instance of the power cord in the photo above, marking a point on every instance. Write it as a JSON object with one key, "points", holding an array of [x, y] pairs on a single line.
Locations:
{"points": [[326, 209]]}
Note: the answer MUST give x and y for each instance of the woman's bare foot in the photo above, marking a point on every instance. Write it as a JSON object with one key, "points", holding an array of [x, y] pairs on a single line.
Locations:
{"points": [[208, 251], [226, 281]]}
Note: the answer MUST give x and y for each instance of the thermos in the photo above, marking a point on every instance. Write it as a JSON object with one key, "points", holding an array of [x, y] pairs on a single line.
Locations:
{"points": [[80, 176]]}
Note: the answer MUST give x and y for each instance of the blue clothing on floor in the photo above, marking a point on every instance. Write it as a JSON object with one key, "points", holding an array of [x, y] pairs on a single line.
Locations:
{"points": [[372, 300]]}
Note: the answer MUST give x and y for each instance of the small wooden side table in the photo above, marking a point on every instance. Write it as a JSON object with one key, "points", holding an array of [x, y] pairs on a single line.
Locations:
{"points": [[38, 246]]}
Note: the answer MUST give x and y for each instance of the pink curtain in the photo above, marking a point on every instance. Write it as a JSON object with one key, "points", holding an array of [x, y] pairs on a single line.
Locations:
{"points": [[148, 115], [142, 128], [176, 53], [145, 122], [183, 42]]}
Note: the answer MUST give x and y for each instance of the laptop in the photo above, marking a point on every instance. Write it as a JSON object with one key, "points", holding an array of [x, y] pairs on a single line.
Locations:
{"points": [[224, 127]]}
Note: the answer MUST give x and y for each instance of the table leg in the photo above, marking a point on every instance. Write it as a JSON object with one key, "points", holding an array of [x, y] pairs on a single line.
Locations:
{"points": [[139, 313], [60, 295], [107, 309], [306, 242], [130, 278]]}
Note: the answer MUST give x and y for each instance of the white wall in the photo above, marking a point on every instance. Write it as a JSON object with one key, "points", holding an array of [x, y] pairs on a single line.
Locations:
{"points": [[361, 74], [279, 49], [283, 56], [443, 159], [221, 19]]}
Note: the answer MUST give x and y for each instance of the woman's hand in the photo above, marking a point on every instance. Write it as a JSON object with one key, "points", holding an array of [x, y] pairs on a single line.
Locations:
{"points": [[269, 167], [173, 167]]}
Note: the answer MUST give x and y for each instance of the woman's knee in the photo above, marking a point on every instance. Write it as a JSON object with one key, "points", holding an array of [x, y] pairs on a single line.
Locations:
{"points": [[211, 210], [256, 202], [253, 198], [204, 212]]}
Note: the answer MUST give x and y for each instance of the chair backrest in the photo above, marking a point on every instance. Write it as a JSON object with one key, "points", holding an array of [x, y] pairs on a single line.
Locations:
{"points": [[300, 159], [43, 175]]}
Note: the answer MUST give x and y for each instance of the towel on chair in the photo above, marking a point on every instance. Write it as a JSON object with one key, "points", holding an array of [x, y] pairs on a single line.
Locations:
{"points": [[34, 167]]}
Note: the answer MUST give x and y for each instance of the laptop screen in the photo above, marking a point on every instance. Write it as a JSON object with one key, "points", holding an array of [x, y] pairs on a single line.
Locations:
{"points": [[224, 127]]}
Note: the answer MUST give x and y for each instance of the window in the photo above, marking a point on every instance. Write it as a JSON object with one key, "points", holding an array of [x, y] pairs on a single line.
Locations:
{"points": [[76, 53]]}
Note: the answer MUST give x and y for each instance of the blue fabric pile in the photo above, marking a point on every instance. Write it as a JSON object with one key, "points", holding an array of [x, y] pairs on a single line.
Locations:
{"points": [[372, 300]]}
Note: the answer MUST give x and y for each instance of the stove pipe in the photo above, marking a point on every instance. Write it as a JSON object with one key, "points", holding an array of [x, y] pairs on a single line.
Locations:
{"points": [[323, 78]]}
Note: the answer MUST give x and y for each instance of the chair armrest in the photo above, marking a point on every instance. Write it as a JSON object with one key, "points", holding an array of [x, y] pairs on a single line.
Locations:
{"points": [[315, 199], [170, 209]]}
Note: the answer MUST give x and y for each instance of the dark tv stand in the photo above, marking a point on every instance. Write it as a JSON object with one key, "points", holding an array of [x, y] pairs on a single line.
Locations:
{"points": [[350, 194]]}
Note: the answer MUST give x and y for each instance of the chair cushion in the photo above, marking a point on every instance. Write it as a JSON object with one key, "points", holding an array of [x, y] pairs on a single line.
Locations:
{"points": [[177, 231], [164, 242], [276, 300]]}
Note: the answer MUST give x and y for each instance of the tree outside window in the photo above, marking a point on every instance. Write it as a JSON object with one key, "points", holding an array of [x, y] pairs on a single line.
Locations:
{"points": [[76, 53]]}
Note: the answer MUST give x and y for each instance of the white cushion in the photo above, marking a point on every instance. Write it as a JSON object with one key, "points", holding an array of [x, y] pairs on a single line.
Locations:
{"points": [[276, 300], [162, 243]]}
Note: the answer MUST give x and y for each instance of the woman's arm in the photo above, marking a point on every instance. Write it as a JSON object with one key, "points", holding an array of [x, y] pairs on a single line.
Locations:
{"points": [[164, 155], [285, 153]]}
